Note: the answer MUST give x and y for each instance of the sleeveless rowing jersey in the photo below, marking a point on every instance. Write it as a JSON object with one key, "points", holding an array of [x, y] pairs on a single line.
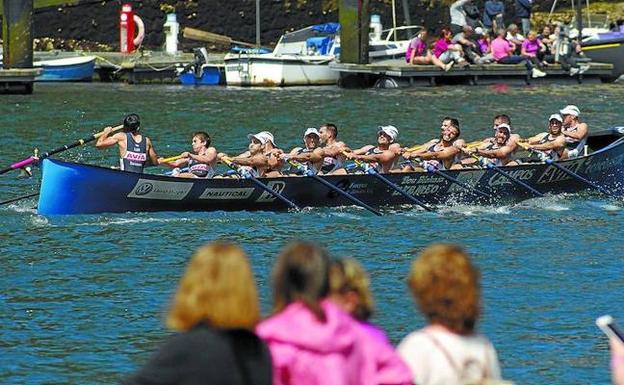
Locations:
{"points": [[308, 165], [550, 154], [572, 143], [496, 161], [441, 165], [330, 164], [200, 170], [136, 155]]}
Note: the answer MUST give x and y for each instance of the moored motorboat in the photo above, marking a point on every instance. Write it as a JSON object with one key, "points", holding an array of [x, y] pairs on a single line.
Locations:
{"points": [[73, 188], [71, 69], [607, 48]]}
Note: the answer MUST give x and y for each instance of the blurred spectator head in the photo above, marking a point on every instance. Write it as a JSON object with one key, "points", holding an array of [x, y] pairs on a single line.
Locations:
{"points": [[501, 33], [217, 288], [446, 287], [350, 288], [301, 274], [513, 29]]}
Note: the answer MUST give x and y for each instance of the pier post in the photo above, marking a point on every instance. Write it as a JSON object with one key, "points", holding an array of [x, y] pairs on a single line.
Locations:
{"points": [[353, 17], [17, 34]]}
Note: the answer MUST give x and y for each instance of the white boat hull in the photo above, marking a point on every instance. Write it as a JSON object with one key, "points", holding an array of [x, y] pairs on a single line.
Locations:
{"points": [[268, 70]]}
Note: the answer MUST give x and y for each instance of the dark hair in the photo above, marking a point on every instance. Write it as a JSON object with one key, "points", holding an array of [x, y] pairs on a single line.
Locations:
{"points": [[454, 123], [332, 128], [505, 118], [131, 123], [301, 273], [443, 32], [204, 137]]}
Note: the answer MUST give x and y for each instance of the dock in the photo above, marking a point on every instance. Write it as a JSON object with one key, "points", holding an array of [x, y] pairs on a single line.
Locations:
{"points": [[18, 80], [396, 73]]}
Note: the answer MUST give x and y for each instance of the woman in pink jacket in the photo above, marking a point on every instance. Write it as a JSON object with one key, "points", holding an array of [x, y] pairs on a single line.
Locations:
{"points": [[312, 341]]}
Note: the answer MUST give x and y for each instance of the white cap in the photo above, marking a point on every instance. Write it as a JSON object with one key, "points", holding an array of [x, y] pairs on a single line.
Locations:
{"points": [[391, 131], [479, 31], [505, 126], [570, 110], [263, 137], [556, 117], [311, 131]]}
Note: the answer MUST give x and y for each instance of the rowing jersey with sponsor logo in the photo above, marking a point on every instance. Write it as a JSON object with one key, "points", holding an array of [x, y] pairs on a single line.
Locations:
{"points": [[200, 170], [572, 143], [550, 154], [136, 154]]}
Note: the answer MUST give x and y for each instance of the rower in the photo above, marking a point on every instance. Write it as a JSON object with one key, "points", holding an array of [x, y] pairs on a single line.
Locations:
{"points": [[135, 150], [383, 156], [442, 153], [497, 153], [551, 144], [574, 131], [200, 162], [307, 156], [262, 158], [332, 150]]}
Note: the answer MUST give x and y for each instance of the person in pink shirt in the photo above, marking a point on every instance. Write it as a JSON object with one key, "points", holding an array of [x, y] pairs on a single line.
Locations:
{"points": [[447, 52], [533, 49], [502, 50], [418, 53], [311, 339]]}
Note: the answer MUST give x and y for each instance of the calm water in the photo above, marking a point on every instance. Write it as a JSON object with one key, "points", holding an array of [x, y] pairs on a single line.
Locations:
{"points": [[82, 298]]}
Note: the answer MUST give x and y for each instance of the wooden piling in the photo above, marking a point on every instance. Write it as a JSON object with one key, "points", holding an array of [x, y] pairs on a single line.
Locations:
{"points": [[17, 34], [354, 29]]}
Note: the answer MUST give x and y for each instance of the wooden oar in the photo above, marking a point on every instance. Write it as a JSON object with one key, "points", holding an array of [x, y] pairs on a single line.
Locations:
{"points": [[474, 144], [263, 186], [371, 170], [456, 181], [80, 142], [18, 198], [309, 173], [577, 176], [198, 34]]}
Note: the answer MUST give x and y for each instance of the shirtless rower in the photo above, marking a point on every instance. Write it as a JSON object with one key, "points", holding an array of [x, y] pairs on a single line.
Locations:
{"points": [[498, 152], [262, 158], [383, 156], [135, 150], [200, 162], [442, 153], [574, 131], [551, 144], [306, 155]]}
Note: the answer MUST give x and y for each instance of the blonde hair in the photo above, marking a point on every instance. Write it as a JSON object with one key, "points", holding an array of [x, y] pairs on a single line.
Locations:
{"points": [[347, 275], [445, 285], [218, 288]]}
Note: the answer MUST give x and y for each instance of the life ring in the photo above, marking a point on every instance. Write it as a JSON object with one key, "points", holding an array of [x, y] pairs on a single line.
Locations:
{"points": [[138, 40]]}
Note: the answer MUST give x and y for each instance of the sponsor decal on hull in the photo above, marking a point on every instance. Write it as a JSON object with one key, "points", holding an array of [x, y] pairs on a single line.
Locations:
{"points": [[155, 189], [227, 193], [277, 186]]}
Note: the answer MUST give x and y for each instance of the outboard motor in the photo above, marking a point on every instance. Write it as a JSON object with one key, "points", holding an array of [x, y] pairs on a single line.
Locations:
{"points": [[200, 57]]}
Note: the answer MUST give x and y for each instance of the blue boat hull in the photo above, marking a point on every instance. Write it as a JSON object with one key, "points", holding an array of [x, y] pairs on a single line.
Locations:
{"points": [[72, 188], [67, 73], [211, 76]]}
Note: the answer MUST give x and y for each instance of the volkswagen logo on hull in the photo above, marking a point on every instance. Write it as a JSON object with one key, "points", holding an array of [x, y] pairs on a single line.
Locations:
{"points": [[144, 188]]}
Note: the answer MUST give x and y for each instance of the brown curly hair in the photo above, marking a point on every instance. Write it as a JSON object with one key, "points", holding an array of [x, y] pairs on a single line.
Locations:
{"points": [[446, 287]]}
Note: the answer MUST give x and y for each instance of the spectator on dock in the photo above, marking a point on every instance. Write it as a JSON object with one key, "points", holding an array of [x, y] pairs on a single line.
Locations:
{"points": [[458, 15], [515, 37], [446, 288], [135, 150], [484, 41], [493, 15], [467, 40], [503, 54], [311, 339], [447, 52], [523, 13], [418, 53], [566, 52], [547, 39], [533, 49], [215, 309], [350, 289]]}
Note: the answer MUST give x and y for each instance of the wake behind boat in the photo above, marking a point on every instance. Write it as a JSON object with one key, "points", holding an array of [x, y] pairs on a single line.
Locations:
{"points": [[73, 188]]}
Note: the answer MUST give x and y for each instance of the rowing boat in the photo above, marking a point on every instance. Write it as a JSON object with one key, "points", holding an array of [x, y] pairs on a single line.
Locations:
{"points": [[74, 188]]}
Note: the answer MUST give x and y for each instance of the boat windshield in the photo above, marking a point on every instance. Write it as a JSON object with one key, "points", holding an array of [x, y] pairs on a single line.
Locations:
{"points": [[319, 30]]}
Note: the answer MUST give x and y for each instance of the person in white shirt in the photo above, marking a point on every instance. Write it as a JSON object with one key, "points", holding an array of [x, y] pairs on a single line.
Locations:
{"points": [[448, 351]]}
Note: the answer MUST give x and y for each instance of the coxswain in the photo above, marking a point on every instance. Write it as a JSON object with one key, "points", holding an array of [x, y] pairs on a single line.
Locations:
{"points": [[383, 156], [200, 163], [262, 158], [332, 150], [135, 150], [442, 153], [499, 152], [551, 144], [306, 155], [574, 131]]}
